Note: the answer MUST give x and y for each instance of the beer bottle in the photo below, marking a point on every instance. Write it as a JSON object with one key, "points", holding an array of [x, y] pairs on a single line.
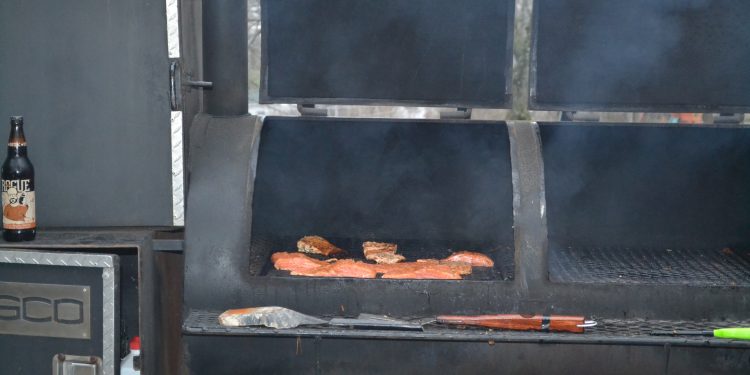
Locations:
{"points": [[19, 203]]}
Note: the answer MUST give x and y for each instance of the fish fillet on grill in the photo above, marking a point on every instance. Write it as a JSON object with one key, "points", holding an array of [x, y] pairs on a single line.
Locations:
{"points": [[424, 269], [460, 267], [342, 268], [382, 252], [386, 258], [295, 262], [317, 245], [472, 258], [428, 271], [302, 265]]}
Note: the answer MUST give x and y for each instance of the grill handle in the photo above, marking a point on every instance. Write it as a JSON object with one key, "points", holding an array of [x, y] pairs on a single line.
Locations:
{"points": [[519, 322]]}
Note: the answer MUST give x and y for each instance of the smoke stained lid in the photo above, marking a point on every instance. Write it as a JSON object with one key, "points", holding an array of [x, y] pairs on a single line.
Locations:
{"points": [[421, 52], [641, 55]]}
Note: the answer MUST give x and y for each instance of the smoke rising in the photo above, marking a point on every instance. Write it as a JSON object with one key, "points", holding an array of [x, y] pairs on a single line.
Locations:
{"points": [[666, 52], [387, 180], [643, 186]]}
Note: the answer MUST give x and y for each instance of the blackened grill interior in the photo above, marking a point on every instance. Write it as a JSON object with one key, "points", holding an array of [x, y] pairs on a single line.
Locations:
{"points": [[429, 186], [642, 53], [651, 204]]}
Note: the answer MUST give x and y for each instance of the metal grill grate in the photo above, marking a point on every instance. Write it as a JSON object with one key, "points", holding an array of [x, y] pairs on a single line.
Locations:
{"points": [[647, 266], [609, 331], [262, 247]]}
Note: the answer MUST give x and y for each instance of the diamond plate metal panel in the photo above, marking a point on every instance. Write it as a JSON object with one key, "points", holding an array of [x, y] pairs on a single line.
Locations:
{"points": [[173, 28], [178, 187], [109, 279], [58, 259]]}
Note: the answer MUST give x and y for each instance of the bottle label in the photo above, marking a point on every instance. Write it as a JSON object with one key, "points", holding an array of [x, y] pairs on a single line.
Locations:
{"points": [[19, 204]]}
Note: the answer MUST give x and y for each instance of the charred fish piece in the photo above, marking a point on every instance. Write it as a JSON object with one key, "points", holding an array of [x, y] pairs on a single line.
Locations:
{"points": [[317, 245]]}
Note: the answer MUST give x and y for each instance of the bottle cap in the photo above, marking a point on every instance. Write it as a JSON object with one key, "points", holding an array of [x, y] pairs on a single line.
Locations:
{"points": [[135, 343], [16, 120]]}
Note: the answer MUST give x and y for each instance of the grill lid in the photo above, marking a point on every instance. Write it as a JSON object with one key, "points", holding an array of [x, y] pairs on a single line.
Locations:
{"points": [[424, 52], [666, 55]]}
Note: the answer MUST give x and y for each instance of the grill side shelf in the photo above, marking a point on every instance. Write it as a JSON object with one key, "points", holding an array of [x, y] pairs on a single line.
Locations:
{"points": [[608, 332]]}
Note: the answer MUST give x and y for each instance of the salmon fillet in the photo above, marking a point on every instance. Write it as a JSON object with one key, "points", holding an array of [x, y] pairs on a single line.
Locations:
{"points": [[303, 265], [461, 268], [472, 258], [426, 272], [341, 268], [425, 269], [317, 245], [295, 262]]}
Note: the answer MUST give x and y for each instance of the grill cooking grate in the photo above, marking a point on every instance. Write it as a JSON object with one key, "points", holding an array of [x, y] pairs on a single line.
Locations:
{"points": [[262, 247], [648, 266], [609, 331]]}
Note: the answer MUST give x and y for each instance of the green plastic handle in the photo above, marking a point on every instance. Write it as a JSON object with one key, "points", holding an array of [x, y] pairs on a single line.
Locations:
{"points": [[733, 333]]}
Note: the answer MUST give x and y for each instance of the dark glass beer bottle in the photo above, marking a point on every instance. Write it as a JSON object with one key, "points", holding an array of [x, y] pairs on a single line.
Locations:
{"points": [[19, 202]]}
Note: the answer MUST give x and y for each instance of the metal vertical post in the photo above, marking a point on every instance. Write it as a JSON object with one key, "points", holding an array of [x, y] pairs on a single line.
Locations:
{"points": [[225, 57]]}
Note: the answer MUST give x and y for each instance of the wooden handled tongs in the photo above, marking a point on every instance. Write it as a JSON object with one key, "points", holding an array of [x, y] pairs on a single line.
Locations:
{"points": [[520, 322]]}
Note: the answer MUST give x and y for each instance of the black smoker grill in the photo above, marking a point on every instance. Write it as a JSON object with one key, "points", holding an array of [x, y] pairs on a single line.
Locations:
{"points": [[642, 226]]}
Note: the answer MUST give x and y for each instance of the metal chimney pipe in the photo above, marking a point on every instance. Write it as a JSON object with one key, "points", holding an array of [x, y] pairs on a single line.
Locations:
{"points": [[225, 57]]}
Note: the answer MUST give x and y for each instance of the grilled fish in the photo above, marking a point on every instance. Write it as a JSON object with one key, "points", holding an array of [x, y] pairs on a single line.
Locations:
{"points": [[472, 258], [317, 245], [272, 316], [341, 268], [382, 252], [295, 262]]}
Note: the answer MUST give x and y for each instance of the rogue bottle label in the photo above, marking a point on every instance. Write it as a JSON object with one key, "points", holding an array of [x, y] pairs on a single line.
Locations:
{"points": [[19, 209]]}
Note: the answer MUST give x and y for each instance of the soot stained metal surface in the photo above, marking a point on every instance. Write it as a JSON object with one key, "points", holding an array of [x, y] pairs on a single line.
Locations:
{"points": [[431, 52], [666, 55], [647, 186], [372, 179]]}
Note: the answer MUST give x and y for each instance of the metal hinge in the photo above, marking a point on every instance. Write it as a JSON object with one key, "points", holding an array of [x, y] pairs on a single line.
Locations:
{"points": [[729, 118], [311, 110], [579, 116], [176, 82], [457, 114]]}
